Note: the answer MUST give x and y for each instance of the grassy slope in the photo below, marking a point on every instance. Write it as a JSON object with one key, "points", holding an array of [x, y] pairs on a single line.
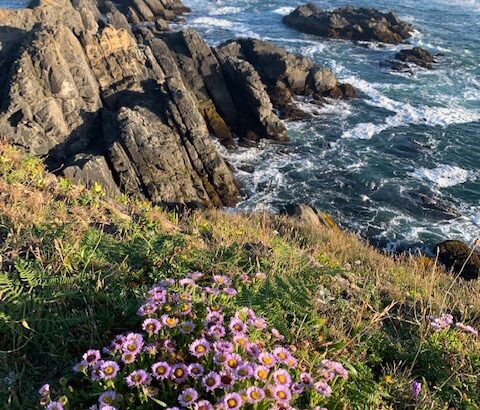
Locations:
{"points": [[75, 263]]}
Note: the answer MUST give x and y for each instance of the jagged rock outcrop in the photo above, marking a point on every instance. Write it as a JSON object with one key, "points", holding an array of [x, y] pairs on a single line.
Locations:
{"points": [[349, 23], [107, 99], [459, 257], [286, 75]]}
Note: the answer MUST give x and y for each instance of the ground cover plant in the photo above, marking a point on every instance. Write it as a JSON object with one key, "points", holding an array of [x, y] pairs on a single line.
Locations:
{"points": [[76, 266]]}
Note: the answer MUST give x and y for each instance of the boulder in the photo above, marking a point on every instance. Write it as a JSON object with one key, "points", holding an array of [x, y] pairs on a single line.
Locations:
{"points": [[87, 169], [310, 216], [460, 258], [349, 23]]}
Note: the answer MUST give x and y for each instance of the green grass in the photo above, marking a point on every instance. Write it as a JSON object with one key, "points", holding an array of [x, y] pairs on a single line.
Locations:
{"points": [[74, 265]]}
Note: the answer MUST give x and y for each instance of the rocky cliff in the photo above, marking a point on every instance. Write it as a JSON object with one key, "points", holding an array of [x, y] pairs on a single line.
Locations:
{"points": [[107, 93]]}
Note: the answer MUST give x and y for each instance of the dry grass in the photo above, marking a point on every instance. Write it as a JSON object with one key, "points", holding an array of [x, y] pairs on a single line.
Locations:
{"points": [[362, 305]]}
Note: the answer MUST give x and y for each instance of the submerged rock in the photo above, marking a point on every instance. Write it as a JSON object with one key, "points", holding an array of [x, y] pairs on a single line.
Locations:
{"points": [[459, 257], [349, 23]]}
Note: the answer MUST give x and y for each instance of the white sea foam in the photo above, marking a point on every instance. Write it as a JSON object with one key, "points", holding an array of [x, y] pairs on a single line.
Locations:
{"points": [[443, 176], [283, 11], [405, 113], [225, 10], [471, 5], [240, 29], [212, 21]]}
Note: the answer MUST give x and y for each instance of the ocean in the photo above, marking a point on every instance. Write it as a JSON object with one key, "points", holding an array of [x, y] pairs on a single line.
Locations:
{"points": [[400, 165]]}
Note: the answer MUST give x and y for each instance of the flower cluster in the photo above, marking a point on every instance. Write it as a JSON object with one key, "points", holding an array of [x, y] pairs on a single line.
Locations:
{"points": [[439, 323], [445, 321], [197, 352]]}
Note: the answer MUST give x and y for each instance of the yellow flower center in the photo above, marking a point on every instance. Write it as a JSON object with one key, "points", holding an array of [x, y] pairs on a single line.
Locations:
{"points": [[171, 321], [267, 360], [150, 328], [108, 400], [232, 362], [200, 349], [132, 347], [231, 403], [136, 378], [108, 370], [262, 374], [281, 379], [281, 394], [188, 397], [255, 395], [161, 370], [282, 355], [179, 373]]}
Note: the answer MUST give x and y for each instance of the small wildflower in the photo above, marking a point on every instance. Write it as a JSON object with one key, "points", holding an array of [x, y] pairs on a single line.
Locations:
{"points": [[211, 381], [137, 378], [151, 326], [108, 370], [91, 357], [179, 373], [255, 394], [199, 347], [44, 390], [188, 397], [195, 370], [323, 389], [169, 321], [416, 388], [107, 397], [266, 359], [467, 328], [161, 370], [281, 393], [232, 401], [261, 373], [203, 405]]}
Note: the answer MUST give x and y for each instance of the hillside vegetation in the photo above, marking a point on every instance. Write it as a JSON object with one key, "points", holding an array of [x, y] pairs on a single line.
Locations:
{"points": [[75, 267]]}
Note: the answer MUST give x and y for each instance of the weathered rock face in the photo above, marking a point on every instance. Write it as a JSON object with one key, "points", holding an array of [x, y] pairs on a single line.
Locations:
{"points": [[459, 257], [349, 23], [105, 98]]}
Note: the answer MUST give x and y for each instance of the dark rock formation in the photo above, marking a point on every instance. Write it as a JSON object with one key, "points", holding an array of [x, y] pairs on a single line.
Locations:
{"points": [[406, 58], [459, 257], [418, 56], [349, 23], [106, 94], [286, 74]]}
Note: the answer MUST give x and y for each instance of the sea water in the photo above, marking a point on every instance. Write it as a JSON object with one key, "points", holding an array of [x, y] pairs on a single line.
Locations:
{"points": [[400, 165]]}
